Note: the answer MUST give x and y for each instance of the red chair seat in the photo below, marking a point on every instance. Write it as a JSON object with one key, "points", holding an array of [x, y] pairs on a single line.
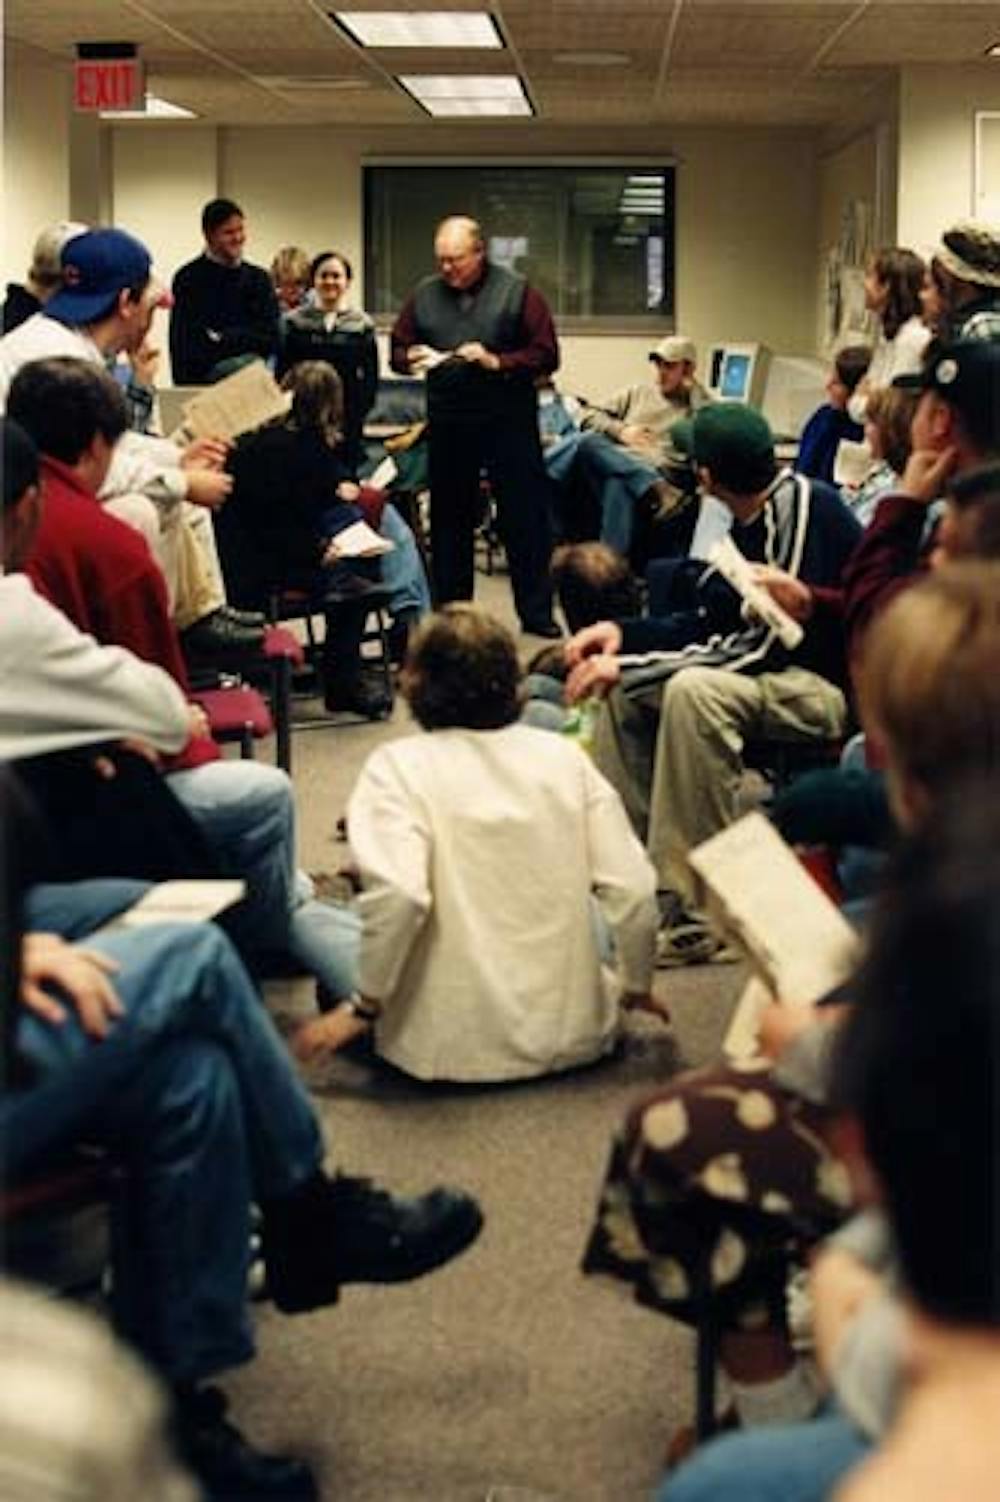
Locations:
{"points": [[236, 714], [279, 642]]}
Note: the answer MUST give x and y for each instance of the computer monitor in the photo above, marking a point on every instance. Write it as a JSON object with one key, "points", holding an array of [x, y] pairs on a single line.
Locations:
{"points": [[738, 372]]}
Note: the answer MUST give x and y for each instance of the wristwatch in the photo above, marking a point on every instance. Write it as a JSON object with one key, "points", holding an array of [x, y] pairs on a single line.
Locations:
{"points": [[362, 1010]]}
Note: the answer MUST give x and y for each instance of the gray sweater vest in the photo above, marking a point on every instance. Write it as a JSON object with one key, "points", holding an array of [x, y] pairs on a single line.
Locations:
{"points": [[490, 315]]}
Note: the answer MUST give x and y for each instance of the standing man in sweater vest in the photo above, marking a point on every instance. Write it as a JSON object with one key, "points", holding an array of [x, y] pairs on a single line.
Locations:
{"points": [[482, 336], [223, 306]]}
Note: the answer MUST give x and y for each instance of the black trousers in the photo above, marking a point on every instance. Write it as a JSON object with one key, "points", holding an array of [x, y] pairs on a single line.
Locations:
{"points": [[509, 450]]}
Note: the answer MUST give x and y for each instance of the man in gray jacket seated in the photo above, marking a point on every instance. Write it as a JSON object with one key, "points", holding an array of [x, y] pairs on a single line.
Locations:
{"points": [[624, 453]]}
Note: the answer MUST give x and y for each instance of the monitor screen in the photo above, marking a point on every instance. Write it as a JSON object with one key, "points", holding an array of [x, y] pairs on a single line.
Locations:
{"points": [[734, 381]]}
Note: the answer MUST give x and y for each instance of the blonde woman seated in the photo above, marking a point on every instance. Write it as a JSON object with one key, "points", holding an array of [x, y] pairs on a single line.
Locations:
{"points": [[481, 844]]}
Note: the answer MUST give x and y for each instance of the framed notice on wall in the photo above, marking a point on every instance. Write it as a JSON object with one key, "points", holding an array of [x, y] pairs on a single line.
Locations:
{"points": [[986, 167]]}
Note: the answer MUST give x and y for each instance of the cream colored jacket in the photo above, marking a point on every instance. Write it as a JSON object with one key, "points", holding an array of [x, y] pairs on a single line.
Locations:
{"points": [[480, 853]]}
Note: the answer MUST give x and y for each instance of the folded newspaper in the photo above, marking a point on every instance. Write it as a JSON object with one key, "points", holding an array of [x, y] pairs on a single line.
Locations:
{"points": [[238, 404]]}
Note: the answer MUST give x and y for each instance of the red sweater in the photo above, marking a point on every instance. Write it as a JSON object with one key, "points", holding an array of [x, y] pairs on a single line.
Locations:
{"points": [[100, 573]]}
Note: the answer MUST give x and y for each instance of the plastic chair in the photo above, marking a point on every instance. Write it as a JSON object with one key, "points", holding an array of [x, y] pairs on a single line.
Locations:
{"points": [[236, 713], [301, 604]]}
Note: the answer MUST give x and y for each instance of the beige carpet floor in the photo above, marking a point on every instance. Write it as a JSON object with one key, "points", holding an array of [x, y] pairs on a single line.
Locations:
{"points": [[507, 1369]]}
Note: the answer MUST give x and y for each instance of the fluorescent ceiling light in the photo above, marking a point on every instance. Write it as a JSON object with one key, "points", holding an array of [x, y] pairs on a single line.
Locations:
{"points": [[505, 107], [422, 28], [468, 94], [156, 109]]}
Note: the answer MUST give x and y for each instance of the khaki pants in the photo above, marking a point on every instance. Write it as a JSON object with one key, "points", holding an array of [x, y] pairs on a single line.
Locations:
{"points": [[675, 751], [199, 586], [182, 540]]}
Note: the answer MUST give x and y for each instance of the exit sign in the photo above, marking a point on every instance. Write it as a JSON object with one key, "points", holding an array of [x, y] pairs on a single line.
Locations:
{"points": [[109, 83]]}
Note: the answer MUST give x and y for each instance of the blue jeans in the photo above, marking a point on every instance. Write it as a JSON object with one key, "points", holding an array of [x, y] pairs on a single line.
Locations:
{"points": [[403, 572], [786, 1463], [618, 478], [247, 814], [194, 1091]]}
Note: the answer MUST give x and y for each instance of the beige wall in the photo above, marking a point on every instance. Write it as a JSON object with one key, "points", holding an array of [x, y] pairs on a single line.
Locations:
{"points": [[159, 178], [746, 216], [936, 119], [35, 151]]}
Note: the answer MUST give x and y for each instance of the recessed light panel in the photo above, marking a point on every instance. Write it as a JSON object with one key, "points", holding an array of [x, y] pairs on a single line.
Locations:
{"points": [[421, 28], [468, 94], [156, 109]]}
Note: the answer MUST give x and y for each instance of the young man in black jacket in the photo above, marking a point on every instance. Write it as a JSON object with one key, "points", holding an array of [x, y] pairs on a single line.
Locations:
{"points": [[223, 305]]}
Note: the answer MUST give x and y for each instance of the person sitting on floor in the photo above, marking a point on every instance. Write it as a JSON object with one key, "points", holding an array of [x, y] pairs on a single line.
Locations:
{"points": [[482, 844], [154, 1044], [294, 490], [830, 424]]}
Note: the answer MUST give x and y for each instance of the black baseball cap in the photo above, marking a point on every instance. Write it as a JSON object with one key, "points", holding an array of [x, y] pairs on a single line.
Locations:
{"points": [[966, 375]]}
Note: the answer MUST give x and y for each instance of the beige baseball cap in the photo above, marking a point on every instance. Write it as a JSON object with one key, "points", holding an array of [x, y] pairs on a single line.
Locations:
{"points": [[673, 349], [970, 250]]}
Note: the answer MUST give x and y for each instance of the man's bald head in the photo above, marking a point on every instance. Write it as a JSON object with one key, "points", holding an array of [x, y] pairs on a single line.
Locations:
{"points": [[460, 250]]}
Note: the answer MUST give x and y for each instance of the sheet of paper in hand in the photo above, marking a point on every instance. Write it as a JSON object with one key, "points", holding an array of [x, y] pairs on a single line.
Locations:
{"points": [[760, 894], [731, 564], [182, 902], [242, 402], [359, 541]]}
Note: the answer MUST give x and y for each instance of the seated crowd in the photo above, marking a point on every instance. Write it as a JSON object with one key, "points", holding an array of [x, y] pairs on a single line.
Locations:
{"points": [[517, 891]]}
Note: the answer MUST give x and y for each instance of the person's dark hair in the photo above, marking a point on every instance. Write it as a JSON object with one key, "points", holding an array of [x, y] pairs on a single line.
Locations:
{"points": [[317, 399], [216, 212], [902, 271], [976, 494], [593, 583], [851, 362], [919, 1058], [461, 671], [20, 461], [330, 255], [63, 403]]}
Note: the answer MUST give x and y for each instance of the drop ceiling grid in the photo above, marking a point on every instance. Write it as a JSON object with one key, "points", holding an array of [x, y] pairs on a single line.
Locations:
{"points": [[586, 28], [738, 34], [234, 35], [896, 34]]}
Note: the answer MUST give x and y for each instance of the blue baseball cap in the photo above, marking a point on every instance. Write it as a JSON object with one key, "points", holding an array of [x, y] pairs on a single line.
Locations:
{"points": [[96, 267]]}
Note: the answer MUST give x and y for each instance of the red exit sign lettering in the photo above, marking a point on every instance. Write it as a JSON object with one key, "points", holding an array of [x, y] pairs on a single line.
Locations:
{"points": [[110, 84]]}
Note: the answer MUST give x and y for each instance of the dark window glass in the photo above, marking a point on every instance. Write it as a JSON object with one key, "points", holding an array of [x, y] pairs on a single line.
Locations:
{"points": [[598, 242]]}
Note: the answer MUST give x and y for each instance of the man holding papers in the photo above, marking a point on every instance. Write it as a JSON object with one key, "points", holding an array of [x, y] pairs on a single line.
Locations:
{"points": [[684, 692]]}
